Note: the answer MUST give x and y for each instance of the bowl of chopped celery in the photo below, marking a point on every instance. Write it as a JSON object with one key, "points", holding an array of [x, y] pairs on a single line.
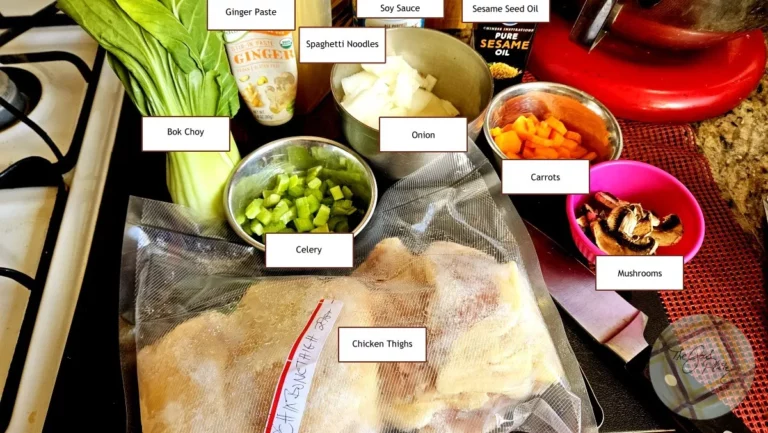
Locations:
{"points": [[300, 185]]}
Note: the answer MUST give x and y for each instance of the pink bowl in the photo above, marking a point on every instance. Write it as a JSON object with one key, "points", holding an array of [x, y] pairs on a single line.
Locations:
{"points": [[650, 186]]}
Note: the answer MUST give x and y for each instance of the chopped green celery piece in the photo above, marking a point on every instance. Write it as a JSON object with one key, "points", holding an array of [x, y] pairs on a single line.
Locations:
{"points": [[253, 208], [343, 162], [296, 191], [240, 219], [282, 183], [342, 227], [321, 229], [330, 183], [322, 215], [323, 188], [257, 228], [264, 216], [280, 209], [247, 228], [289, 215], [314, 204], [328, 201], [293, 181], [314, 192], [303, 225], [272, 200], [347, 192], [274, 227], [302, 207], [266, 193], [302, 180], [336, 220], [299, 156], [313, 172], [284, 202], [314, 183], [343, 207], [336, 193], [287, 230]]}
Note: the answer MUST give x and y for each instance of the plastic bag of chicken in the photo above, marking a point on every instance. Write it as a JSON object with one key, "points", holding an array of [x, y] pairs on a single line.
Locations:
{"points": [[219, 344]]}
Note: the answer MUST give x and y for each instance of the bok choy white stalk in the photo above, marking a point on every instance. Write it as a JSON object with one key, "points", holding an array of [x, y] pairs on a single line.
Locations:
{"points": [[170, 65]]}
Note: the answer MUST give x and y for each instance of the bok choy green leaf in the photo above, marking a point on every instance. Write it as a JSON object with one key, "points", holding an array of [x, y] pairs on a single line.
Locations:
{"points": [[170, 65]]}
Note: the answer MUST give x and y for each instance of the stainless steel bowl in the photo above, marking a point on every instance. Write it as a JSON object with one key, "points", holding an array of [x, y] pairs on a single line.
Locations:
{"points": [[258, 169], [580, 111], [463, 78]]}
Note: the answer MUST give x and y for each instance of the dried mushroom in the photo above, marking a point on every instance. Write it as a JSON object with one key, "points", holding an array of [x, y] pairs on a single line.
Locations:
{"points": [[619, 227]]}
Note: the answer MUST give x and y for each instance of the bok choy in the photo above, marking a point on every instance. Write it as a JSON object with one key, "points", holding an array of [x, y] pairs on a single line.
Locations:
{"points": [[170, 65]]}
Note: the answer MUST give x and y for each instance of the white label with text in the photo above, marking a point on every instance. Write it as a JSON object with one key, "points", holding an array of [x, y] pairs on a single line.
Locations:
{"points": [[538, 176], [243, 15], [400, 8], [639, 273], [290, 399], [506, 11], [309, 250], [342, 45], [185, 134], [382, 344], [423, 134]]}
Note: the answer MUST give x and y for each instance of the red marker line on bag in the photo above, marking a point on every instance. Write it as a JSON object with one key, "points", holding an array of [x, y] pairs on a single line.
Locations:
{"points": [[290, 396]]}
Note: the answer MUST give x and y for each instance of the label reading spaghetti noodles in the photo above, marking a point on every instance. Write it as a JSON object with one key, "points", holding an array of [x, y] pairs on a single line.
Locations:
{"points": [[293, 387]]}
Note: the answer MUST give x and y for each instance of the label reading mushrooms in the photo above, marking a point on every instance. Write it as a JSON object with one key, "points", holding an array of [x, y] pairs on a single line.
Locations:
{"points": [[505, 47], [639, 272]]}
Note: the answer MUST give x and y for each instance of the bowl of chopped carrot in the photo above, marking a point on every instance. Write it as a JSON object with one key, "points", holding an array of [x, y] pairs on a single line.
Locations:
{"points": [[542, 120]]}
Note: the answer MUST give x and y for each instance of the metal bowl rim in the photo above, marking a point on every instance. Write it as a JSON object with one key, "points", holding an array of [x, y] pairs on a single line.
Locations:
{"points": [[524, 88], [282, 142], [477, 55]]}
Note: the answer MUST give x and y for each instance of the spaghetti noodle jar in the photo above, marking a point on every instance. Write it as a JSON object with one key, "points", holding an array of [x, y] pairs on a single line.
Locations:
{"points": [[264, 65]]}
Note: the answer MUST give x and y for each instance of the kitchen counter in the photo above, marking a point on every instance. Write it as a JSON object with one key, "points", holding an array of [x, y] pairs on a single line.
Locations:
{"points": [[736, 145]]}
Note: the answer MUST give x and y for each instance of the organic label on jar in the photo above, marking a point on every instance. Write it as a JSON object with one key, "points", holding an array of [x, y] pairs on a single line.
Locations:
{"points": [[342, 45], [505, 47], [309, 250], [243, 15], [521, 176], [400, 8], [506, 11], [185, 134], [264, 65], [638, 272], [382, 344], [423, 134]]}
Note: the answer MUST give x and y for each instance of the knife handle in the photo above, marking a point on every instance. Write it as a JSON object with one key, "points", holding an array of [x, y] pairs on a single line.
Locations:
{"points": [[638, 369]]}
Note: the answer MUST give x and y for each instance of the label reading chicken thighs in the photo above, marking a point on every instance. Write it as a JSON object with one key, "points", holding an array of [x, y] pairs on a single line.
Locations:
{"points": [[382, 344]]}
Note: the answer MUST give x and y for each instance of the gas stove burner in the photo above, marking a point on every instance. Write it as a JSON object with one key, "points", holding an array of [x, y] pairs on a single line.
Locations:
{"points": [[22, 89]]}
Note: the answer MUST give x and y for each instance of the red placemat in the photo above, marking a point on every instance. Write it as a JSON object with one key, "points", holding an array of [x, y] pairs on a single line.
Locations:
{"points": [[726, 277]]}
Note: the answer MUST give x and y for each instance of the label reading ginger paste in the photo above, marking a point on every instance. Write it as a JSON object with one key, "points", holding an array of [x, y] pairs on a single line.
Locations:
{"points": [[264, 65]]}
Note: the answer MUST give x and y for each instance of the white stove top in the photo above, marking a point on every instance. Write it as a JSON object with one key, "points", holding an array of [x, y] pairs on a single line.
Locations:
{"points": [[25, 213]]}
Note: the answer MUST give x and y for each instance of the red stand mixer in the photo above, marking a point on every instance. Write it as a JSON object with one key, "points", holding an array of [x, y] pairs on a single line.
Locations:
{"points": [[655, 60]]}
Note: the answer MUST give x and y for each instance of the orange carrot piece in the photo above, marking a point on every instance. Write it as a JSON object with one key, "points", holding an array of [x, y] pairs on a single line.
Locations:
{"points": [[528, 153], [509, 142], [533, 118], [578, 152], [556, 124], [507, 128], [591, 156], [563, 152], [512, 156], [543, 130], [496, 131], [541, 141], [575, 136], [556, 137], [546, 152], [570, 144]]}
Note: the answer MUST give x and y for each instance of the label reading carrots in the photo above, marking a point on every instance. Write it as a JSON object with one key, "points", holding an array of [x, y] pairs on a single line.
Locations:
{"points": [[521, 177]]}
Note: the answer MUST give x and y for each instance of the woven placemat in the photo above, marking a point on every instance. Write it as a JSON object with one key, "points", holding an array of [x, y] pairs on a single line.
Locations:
{"points": [[726, 276]]}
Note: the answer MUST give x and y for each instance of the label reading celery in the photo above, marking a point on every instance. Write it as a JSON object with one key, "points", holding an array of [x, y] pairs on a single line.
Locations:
{"points": [[261, 15], [309, 250]]}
